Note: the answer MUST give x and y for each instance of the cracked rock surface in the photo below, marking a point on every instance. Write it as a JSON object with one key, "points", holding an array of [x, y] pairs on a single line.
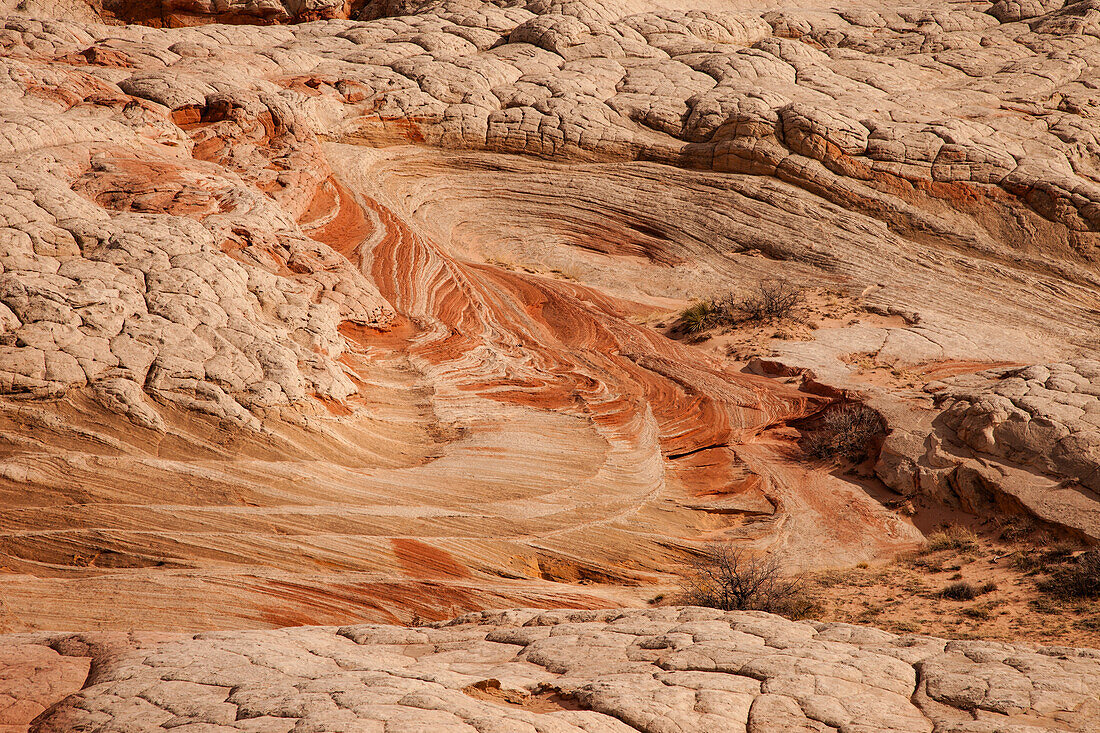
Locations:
{"points": [[668, 669], [1045, 415], [1025, 434], [349, 320]]}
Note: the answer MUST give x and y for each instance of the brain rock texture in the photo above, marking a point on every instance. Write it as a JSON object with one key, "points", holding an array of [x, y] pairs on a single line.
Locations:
{"points": [[688, 669]]}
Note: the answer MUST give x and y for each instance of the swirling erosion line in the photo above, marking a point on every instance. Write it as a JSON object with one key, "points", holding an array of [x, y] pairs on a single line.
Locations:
{"points": [[542, 343], [516, 441]]}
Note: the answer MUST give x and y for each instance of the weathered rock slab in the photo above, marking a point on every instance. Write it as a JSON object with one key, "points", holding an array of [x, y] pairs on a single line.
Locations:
{"points": [[681, 669]]}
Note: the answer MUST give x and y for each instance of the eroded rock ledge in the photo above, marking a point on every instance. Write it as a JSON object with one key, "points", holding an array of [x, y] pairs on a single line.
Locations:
{"points": [[667, 669], [1016, 439]]}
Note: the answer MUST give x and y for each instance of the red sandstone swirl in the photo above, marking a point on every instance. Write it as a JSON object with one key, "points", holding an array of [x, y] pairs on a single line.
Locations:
{"points": [[311, 407], [578, 437], [543, 343], [569, 443]]}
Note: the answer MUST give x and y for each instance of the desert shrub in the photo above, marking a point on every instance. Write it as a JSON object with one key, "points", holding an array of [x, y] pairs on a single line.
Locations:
{"points": [[773, 299], [846, 432], [961, 591], [700, 317], [1016, 527], [1078, 580], [960, 539], [1088, 624], [1031, 562], [732, 579], [926, 564]]}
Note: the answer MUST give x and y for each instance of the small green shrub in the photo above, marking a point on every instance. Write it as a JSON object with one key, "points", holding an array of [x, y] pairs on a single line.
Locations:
{"points": [[700, 317]]}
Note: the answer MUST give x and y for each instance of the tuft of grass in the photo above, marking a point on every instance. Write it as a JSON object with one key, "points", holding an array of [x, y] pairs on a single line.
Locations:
{"points": [[961, 591], [964, 591], [955, 538], [1045, 605], [700, 317], [1015, 528], [926, 564], [1088, 624], [1036, 563], [869, 615]]}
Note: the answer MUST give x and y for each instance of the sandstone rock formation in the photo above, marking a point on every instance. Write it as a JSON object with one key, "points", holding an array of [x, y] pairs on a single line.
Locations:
{"points": [[176, 13], [323, 312], [1019, 439], [347, 320], [1045, 416], [682, 669]]}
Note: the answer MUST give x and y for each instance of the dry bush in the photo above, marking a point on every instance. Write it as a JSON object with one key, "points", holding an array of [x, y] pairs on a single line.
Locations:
{"points": [[846, 432], [773, 299], [1077, 581], [1016, 527], [1032, 562], [963, 591], [735, 580], [955, 538]]}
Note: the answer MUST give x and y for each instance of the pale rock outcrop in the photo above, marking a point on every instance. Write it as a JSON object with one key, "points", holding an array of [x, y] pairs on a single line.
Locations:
{"points": [[1011, 439], [137, 289], [682, 669], [1046, 416]]}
